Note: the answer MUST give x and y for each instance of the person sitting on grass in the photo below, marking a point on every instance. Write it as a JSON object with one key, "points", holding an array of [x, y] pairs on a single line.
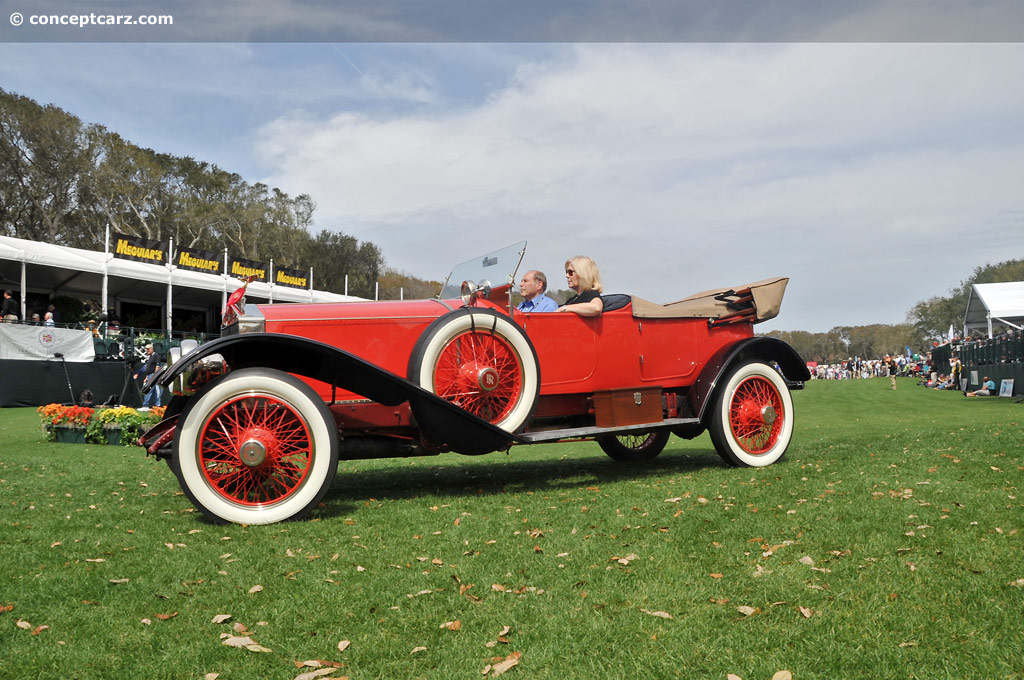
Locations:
{"points": [[987, 388]]}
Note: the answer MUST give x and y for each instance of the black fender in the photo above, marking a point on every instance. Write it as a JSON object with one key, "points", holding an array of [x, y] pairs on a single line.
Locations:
{"points": [[769, 350], [442, 422]]}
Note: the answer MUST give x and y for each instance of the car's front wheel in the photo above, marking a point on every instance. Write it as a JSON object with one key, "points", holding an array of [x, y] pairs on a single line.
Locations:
{"points": [[482, 362], [634, 447], [752, 421], [255, 447]]}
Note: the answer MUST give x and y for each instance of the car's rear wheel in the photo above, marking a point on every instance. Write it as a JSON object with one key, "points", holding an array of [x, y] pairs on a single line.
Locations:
{"points": [[752, 421], [255, 447], [481, 362], [634, 447]]}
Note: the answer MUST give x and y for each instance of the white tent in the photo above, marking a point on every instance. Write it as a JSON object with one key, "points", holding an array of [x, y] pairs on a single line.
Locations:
{"points": [[44, 267], [999, 302]]}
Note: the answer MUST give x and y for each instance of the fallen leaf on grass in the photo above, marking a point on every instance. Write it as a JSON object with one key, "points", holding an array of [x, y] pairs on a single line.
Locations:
{"points": [[422, 592], [39, 629], [501, 666], [146, 622], [164, 617], [624, 561], [118, 580], [242, 643], [343, 645], [806, 612], [747, 611], [255, 589], [4, 608], [782, 675], [451, 625], [659, 614], [808, 560], [1019, 583], [417, 650], [732, 676], [318, 663], [221, 618], [98, 559], [211, 676], [716, 575], [310, 675], [23, 624]]}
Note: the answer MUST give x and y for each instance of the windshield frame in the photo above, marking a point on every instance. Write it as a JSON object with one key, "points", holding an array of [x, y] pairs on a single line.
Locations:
{"points": [[478, 270]]}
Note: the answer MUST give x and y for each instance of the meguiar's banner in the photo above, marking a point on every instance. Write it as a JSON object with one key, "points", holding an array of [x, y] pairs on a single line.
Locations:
{"points": [[293, 278], [139, 249], [242, 269], [199, 260]]}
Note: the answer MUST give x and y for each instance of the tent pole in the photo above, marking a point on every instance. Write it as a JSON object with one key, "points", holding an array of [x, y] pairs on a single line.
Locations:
{"points": [[170, 273], [224, 274], [23, 286], [106, 256]]}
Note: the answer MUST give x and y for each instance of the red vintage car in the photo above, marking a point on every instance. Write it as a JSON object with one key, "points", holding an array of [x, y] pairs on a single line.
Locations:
{"points": [[261, 416]]}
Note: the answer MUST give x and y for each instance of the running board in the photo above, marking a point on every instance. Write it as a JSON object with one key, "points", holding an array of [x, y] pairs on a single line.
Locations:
{"points": [[588, 432]]}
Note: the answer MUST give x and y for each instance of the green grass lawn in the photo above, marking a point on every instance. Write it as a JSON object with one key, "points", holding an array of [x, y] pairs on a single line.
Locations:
{"points": [[886, 544]]}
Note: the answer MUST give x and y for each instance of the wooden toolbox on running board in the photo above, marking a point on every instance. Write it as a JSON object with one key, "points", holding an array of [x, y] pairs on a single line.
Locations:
{"points": [[615, 408]]}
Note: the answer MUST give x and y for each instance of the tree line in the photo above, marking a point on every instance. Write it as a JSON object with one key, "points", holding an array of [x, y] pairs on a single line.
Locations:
{"points": [[928, 321], [62, 181]]}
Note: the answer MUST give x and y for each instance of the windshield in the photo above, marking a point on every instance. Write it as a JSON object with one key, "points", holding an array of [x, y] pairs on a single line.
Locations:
{"points": [[497, 268]]}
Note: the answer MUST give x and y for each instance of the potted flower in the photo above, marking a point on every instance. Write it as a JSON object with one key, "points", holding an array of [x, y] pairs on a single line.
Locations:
{"points": [[121, 425], [66, 424]]}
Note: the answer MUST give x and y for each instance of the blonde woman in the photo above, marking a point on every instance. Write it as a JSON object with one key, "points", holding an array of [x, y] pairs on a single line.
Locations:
{"points": [[582, 276]]}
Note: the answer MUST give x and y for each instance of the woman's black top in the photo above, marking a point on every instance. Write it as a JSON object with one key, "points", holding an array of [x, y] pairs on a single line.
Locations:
{"points": [[585, 296]]}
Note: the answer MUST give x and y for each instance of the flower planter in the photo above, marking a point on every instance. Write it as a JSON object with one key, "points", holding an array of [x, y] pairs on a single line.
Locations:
{"points": [[69, 435], [104, 426]]}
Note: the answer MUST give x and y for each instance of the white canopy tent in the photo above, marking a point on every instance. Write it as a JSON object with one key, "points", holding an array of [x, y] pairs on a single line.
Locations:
{"points": [[74, 271], [999, 302]]}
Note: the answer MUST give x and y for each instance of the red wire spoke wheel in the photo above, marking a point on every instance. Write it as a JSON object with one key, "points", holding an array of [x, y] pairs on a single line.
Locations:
{"points": [[756, 415], [482, 362], [256, 446], [256, 450], [751, 422], [634, 447], [481, 373]]}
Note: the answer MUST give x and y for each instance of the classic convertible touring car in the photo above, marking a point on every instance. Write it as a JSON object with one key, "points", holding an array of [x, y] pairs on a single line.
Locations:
{"points": [[261, 416]]}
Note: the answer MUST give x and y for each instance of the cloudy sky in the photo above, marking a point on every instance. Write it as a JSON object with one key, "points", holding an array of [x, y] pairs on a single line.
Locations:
{"points": [[873, 175]]}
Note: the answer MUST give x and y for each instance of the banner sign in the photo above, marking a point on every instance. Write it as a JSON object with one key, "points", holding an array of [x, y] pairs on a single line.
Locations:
{"points": [[293, 278], [139, 249], [199, 260], [242, 269], [20, 341]]}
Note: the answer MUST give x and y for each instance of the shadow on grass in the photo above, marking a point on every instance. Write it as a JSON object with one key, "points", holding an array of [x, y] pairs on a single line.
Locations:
{"points": [[498, 473]]}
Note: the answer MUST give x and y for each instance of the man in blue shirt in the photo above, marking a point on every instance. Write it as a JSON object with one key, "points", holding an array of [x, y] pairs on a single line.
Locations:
{"points": [[532, 289]]}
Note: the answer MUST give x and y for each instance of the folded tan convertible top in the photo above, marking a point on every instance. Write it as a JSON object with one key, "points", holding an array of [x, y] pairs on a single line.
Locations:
{"points": [[757, 302]]}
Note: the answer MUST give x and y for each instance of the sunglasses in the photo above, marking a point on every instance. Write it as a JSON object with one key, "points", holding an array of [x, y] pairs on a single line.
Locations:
{"points": [[569, 272]]}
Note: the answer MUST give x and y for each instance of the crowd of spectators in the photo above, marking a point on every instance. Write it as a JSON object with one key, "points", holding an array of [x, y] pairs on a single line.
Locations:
{"points": [[856, 368]]}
